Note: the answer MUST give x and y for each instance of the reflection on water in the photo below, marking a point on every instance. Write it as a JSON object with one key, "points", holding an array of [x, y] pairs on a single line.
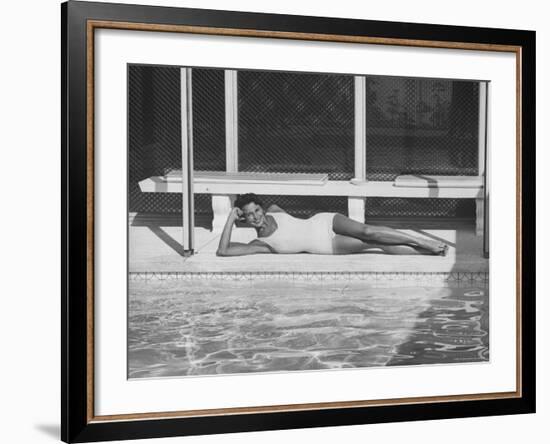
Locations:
{"points": [[179, 328]]}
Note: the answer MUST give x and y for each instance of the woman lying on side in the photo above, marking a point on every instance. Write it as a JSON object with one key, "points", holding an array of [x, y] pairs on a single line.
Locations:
{"points": [[323, 233]]}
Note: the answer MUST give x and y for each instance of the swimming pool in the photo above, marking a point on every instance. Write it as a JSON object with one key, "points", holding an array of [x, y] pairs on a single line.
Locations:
{"points": [[180, 327]]}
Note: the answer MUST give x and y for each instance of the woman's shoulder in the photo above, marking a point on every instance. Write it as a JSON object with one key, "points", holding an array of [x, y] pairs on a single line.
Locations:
{"points": [[273, 208], [277, 216]]}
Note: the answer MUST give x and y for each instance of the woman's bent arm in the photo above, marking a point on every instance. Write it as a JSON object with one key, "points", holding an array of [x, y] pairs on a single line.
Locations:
{"points": [[228, 248], [240, 249]]}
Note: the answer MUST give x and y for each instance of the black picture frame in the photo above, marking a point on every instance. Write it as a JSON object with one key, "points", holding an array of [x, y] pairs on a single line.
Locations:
{"points": [[78, 423]]}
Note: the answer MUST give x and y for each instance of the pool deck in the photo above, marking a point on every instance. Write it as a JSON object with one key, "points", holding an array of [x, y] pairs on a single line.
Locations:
{"points": [[155, 246]]}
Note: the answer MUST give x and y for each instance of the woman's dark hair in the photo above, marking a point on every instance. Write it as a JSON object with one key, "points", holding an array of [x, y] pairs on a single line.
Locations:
{"points": [[245, 199]]}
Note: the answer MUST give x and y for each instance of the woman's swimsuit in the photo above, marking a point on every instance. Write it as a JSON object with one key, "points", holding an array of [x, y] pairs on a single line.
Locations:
{"points": [[293, 235]]}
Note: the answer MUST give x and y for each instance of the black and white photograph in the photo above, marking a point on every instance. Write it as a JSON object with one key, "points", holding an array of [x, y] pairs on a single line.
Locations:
{"points": [[264, 222], [283, 221]]}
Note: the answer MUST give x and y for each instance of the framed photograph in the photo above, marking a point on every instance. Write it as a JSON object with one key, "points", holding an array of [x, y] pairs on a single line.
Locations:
{"points": [[275, 221]]}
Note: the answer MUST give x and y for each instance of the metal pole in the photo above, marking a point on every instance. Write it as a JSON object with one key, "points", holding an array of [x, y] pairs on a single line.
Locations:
{"points": [[356, 205], [487, 177], [231, 121], [360, 127], [188, 216]]}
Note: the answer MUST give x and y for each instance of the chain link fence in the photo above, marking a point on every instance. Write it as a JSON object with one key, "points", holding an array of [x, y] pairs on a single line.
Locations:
{"points": [[296, 123], [304, 123], [154, 132], [421, 126]]}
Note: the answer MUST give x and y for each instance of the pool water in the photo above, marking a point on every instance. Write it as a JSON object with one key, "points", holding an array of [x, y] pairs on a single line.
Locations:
{"points": [[206, 327]]}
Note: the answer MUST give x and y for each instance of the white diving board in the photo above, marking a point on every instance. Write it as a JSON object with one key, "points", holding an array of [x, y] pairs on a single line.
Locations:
{"points": [[429, 181], [232, 177], [215, 185], [224, 185]]}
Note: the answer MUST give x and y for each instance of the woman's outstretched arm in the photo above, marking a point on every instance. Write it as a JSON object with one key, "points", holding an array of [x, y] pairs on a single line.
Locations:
{"points": [[228, 248]]}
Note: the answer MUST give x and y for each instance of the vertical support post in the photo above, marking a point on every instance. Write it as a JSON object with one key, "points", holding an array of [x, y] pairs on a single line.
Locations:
{"points": [[480, 215], [360, 116], [356, 205], [221, 206], [188, 217], [482, 127], [356, 208], [487, 175], [231, 121], [482, 136], [221, 203]]}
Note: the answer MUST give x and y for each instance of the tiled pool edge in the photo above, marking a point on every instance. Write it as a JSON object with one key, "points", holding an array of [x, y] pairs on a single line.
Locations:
{"points": [[458, 277]]}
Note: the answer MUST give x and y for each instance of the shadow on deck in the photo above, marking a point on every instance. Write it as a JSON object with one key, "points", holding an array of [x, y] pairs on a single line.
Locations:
{"points": [[155, 245]]}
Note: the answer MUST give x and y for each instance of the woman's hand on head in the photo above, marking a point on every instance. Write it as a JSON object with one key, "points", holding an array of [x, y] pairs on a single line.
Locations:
{"points": [[236, 213]]}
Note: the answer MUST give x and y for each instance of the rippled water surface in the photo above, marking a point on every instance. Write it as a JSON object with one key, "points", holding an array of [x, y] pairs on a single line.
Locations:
{"points": [[203, 327]]}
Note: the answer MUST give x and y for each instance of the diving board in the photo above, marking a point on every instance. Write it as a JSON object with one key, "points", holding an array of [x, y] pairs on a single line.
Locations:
{"points": [[222, 186], [232, 177], [429, 181]]}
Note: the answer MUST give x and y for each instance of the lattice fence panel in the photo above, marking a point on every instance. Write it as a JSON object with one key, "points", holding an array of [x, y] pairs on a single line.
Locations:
{"points": [[209, 119], [154, 134], [155, 131], [421, 126], [419, 207], [294, 122]]}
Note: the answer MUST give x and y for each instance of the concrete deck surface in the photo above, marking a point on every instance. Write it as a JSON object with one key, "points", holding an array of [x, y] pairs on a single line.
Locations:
{"points": [[155, 245]]}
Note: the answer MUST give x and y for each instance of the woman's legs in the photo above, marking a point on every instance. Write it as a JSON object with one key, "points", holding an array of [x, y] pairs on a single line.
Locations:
{"points": [[350, 245], [384, 235]]}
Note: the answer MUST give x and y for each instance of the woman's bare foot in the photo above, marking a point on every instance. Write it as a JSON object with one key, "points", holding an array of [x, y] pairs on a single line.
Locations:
{"points": [[434, 247]]}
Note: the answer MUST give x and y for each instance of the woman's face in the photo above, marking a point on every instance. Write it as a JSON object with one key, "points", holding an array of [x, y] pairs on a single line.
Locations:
{"points": [[254, 214]]}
